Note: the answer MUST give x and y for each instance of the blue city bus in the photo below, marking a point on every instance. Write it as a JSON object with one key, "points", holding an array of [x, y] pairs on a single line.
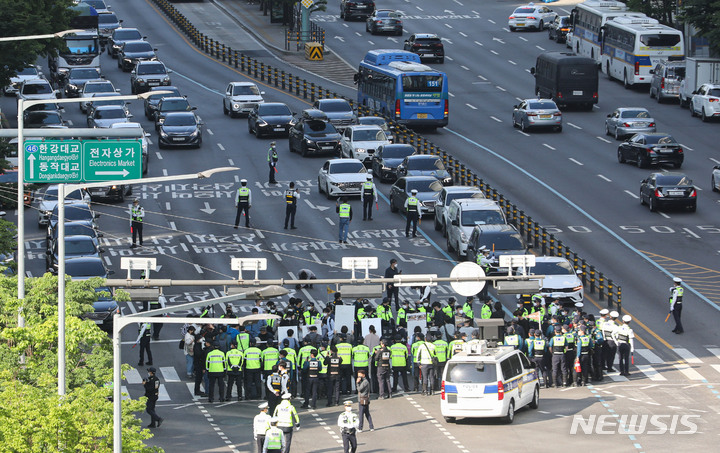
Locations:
{"points": [[395, 83]]}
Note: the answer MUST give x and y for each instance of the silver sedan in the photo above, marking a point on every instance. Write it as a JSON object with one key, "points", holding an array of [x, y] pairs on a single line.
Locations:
{"points": [[626, 121], [537, 113]]}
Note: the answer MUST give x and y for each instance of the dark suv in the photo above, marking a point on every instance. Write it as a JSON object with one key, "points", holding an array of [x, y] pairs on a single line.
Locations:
{"points": [[338, 111], [313, 133], [148, 74], [362, 9], [427, 45], [500, 240]]}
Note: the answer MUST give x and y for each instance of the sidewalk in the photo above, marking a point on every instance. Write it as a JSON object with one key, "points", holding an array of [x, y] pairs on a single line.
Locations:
{"points": [[257, 34]]}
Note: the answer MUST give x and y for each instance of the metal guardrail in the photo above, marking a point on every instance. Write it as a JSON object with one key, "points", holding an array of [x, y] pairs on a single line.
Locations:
{"points": [[594, 280]]}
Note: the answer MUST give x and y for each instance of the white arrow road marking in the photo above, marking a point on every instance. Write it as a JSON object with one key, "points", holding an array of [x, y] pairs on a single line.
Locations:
{"points": [[406, 260], [207, 209], [312, 206], [319, 261]]}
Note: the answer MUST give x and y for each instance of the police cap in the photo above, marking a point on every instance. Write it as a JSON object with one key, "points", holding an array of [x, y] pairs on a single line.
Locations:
{"points": [[627, 318], [152, 369], [677, 280], [414, 191], [604, 311], [614, 314], [263, 406]]}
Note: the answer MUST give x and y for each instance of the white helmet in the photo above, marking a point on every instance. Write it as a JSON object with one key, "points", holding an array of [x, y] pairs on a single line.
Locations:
{"points": [[614, 314]]}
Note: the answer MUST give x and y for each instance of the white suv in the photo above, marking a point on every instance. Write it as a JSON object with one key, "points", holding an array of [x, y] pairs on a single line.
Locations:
{"points": [[360, 142], [561, 280], [464, 214], [448, 194], [706, 102], [241, 97], [482, 382]]}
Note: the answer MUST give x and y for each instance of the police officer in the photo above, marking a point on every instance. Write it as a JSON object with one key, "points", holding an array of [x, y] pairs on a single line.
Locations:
{"points": [[137, 215], [486, 310], [412, 208], [383, 356], [253, 364], [570, 354], [274, 438], [261, 424], [625, 338], [344, 211], [333, 361], [367, 196], [348, 423], [272, 158], [585, 344], [234, 360], [152, 387], [392, 290], [513, 339], [597, 351], [676, 300], [467, 307], [311, 368], [609, 327], [403, 311], [291, 199], [399, 362], [536, 348], [216, 367], [344, 350], [483, 260], [442, 349], [559, 367], [288, 419], [243, 202], [144, 339], [274, 388], [424, 356], [361, 357]]}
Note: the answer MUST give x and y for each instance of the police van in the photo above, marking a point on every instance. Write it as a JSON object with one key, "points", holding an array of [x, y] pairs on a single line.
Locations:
{"points": [[483, 382]]}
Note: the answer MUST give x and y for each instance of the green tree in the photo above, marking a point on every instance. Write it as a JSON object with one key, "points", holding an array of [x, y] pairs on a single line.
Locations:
{"points": [[35, 418], [30, 17], [704, 15], [662, 10]]}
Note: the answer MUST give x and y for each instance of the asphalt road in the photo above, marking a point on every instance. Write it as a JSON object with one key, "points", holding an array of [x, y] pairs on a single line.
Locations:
{"points": [[569, 181]]}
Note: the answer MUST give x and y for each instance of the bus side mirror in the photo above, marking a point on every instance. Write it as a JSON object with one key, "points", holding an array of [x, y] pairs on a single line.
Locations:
{"points": [[532, 71]]}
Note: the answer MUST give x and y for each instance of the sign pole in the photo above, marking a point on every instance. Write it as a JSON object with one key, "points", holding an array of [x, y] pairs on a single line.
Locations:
{"points": [[61, 289], [21, 212]]}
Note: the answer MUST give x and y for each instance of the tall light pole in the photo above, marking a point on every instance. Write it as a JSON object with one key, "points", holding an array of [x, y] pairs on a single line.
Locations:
{"points": [[59, 34]]}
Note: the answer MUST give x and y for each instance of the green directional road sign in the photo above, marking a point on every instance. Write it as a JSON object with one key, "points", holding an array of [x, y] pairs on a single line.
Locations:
{"points": [[66, 161]]}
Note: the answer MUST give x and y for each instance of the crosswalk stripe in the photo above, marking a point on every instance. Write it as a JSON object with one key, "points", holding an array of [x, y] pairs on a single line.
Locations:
{"points": [[133, 377], [715, 352], [650, 372], [169, 374], [716, 367], [616, 377], [691, 374], [687, 356], [649, 355], [191, 389], [163, 394]]}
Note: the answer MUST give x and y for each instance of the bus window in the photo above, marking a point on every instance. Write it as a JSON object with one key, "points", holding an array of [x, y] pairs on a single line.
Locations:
{"points": [[422, 83], [660, 40]]}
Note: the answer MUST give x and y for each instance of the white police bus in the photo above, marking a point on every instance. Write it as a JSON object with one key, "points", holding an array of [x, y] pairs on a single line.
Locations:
{"points": [[632, 46]]}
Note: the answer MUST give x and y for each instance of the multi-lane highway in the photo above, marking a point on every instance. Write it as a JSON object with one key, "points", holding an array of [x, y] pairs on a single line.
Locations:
{"points": [[570, 182]]}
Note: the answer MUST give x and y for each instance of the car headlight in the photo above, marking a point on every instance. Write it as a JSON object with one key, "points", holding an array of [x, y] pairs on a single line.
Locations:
{"points": [[261, 122], [578, 288], [141, 81], [386, 168], [163, 133], [194, 133], [72, 86], [127, 60], [236, 105], [447, 180], [308, 141], [161, 120], [360, 150], [166, 79], [463, 237]]}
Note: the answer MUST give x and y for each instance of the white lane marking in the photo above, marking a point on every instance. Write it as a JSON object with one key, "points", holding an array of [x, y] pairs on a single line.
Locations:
{"points": [[475, 12], [184, 247], [465, 67], [496, 119], [616, 377], [456, 1], [221, 146], [463, 34], [357, 33], [277, 257], [449, 93], [448, 25], [494, 52], [603, 139], [159, 156], [540, 48], [576, 161], [164, 172], [132, 376], [715, 160], [107, 261], [483, 78], [371, 43], [209, 131], [172, 226], [686, 147], [512, 62], [548, 146], [715, 352], [687, 356], [449, 58], [505, 29], [573, 125], [500, 88], [169, 374], [471, 106], [664, 215], [716, 367], [691, 233], [691, 374], [522, 38], [198, 269], [651, 373], [524, 133], [231, 162], [149, 141], [479, 43], [605, 178], [491, 21], [163, 394], [649, 355], [167, 205], [631, 194], [420, 9], [329, 220]]}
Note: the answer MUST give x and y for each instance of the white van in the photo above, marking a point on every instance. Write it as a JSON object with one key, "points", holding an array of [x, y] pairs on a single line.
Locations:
{"points": [[463, 215], [483, 382]]}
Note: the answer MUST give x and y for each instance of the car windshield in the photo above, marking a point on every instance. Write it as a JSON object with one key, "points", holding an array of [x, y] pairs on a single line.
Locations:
{"points": [[368, 135], [104, 114], [714, 92], [384, 14], [74, 212], [321, 127], [44, 106], [335, 106], [98, 88], [78, 230], [347, 167], [422, 83], [502, 241], [84, 73], [427, 41], [155, 68], [270, 110], [425, 164], [545, 105], [81, 46], [126, 35], [245, 90], [374, 121], [51, 194], [457, 195], [673, 180], [481, 217], [635, 114], [564, 21], [37, 88], [138, 47], [93, 268], [660, 140], [107, 19], [660, 39], [80, 247], [398, 152], [469, 373], [180, 120], [675, 72], [524, 11], [118, 102], [30, 71], [43, 118], [421, 186], [97, 4], [553, 268], [175, 105]]}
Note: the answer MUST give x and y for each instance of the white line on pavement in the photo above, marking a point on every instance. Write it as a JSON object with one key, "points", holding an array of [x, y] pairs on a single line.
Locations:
{"points": [[686, 355], [649, 356], [221, 146], [576, 161], [198, 269], [540, 48], [491, 21], [522, 38], [524, 133], [651, 373], [574, 125], [496, 119], [631, 194], [512, 62], [163, 394], [463, 34], [159, 156], [132, 376], [548, 146], [471, 106], [605, 178], [664, 215], [465, 67], [715, 352], [172, 226], [494, 52], [169, 374], [691, 374], [691, 233], [603, 139], [209, 131], [479, 43], [500, 88]]}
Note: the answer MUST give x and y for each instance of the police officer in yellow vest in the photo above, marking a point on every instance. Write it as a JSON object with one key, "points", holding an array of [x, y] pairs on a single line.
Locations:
{"points": [[676, 303], [412, 208], [344, 211], [367, 196], [287, 419], [272, 158], [253, 365], [234, 359], [344, 350], [585, 344], [536, 348], [243, 202], [442, 348], [216, 365], [360, 357], [274, 438], [137, 215], [291, 199], [468, 308], [513, 339], [399, 363]]}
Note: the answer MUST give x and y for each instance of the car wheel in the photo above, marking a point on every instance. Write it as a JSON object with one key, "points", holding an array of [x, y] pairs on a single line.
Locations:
{"points": [[652, 95], [535, 403], [436, 224], [393, 208], [713, 185], [642, 199], [607, 129], [617, 134], [319, 187], [541, 26], [448, 245], [225, 110], [651, 203], [258, 134], [161, 145], [659, 98], [132, 89], [121, 197], [703, 117], [327, 192], [677, 164], [514, 123], [693, 207], [626, 84], [692, 109], [620, 157], [640, 162], [303, 150], [523, 126], [558, 129], [510, 416], [449, 419], [441, 60], [607, 71], [512, 28], [550, 36]]}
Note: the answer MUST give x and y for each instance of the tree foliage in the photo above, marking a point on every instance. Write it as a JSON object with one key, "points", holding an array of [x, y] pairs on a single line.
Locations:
{"points": [[30, 17], [35, 418], [662, 10], [704, 15]]}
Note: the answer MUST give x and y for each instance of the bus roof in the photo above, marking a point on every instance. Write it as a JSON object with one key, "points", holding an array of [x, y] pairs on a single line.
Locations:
{"points": [[603, 6], [381, 57], [566, 58]]}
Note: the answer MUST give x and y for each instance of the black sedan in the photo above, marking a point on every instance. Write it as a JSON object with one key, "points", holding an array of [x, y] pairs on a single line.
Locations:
{"points": [[559, 28], [73, 212], [103, 309], [77, 77], [82, 268], [180, 129], [132, 52], [270, 118], [427, 188], [384, 21], [119, 37], [425, 165], [75, 246], [387, 158], [152, 101], [651, 149], [668, 189], [43, 118]]}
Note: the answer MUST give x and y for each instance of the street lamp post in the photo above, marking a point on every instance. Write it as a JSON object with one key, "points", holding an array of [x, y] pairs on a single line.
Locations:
{"points": [[59, 34]]}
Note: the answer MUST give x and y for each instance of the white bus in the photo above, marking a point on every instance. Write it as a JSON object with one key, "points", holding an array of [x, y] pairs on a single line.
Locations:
{"points": [[632, 46], [588, 18]]}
